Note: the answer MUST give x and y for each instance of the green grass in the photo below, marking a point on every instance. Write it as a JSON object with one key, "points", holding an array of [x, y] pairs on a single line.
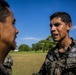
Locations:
{"points": [[26, 63]]}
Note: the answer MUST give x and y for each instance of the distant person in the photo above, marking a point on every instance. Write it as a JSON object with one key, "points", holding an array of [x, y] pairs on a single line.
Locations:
{"points": [[60, 60], [7, 33]]}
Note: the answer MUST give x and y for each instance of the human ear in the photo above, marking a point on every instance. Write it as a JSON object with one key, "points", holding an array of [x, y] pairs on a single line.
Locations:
{"points": [[69, 26]]}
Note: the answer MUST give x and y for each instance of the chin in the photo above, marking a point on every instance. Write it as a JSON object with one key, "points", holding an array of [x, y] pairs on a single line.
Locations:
{"points": [[55, 40], [13, 46]]}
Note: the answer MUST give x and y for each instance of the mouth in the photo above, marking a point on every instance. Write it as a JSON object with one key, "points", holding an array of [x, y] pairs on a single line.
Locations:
{"points": [[54, 36], [15, 36], [15, 39]]}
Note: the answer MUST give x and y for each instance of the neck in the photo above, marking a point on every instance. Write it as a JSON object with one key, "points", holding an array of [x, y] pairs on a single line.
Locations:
{"points": [[64, 44], [3, 52]]}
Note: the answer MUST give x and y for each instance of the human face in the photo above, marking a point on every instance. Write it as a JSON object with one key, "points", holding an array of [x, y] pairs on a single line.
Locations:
{"points": [[59, 29], [8, 32]]}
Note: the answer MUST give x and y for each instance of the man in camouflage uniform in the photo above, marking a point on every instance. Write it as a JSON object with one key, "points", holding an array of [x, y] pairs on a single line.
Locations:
{"points": [[7, 34], [60, 60]]}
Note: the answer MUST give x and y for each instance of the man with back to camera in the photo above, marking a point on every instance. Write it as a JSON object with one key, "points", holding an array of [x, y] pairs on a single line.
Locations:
{"points": [[7, 33], [60, 60]]}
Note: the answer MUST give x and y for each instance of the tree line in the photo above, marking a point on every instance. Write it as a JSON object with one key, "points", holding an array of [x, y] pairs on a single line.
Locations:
{"points": [[42, 45]]}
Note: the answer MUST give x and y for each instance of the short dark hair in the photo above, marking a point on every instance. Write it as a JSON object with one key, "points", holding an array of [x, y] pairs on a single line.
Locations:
{"points": [[65, 17], [4, 12]]}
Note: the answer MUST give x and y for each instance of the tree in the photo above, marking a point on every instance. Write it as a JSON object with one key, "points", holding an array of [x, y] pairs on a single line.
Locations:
{"points": [[24, 47], [44, 45], [36, 47]]}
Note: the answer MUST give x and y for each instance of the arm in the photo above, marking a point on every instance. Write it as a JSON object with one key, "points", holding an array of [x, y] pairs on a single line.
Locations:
{"points": [[45, 68]]}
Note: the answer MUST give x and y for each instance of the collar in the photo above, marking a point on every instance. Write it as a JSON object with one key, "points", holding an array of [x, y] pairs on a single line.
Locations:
{"points": [[70, 46]]}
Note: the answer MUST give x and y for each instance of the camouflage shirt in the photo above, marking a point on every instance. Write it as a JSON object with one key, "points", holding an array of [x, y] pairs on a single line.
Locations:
{"points": [[3, 71], [6, 68], [60, 63]]}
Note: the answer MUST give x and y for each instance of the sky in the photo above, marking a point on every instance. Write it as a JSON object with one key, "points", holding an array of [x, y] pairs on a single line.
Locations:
{"points": [[33, 18]]}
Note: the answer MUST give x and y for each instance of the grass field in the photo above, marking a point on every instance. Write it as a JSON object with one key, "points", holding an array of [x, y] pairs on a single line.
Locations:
{"points": [[26, 63]]}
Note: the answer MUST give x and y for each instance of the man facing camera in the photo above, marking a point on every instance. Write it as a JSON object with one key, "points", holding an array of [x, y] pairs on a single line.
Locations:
{"points": [[60, 60]]}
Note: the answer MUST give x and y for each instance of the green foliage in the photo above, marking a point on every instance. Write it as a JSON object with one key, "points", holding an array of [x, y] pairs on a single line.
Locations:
{"points": [[24, 47], [42, 45], [37, 46]]}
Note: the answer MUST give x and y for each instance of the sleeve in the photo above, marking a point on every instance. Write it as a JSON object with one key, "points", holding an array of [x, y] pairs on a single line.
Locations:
{"points": [[46, 66], [42, 70]]}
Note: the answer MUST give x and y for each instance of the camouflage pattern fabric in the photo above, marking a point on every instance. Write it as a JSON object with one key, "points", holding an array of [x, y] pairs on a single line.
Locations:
{"points": [[6, 68], [8, 64], [2, 69], [60, 63]]}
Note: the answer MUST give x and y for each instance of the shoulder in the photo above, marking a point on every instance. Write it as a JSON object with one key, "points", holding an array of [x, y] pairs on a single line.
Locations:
{"points": [[75, 44], [51, 50], [72, 52], [73, 49], [71, 60], [51, 54]]}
